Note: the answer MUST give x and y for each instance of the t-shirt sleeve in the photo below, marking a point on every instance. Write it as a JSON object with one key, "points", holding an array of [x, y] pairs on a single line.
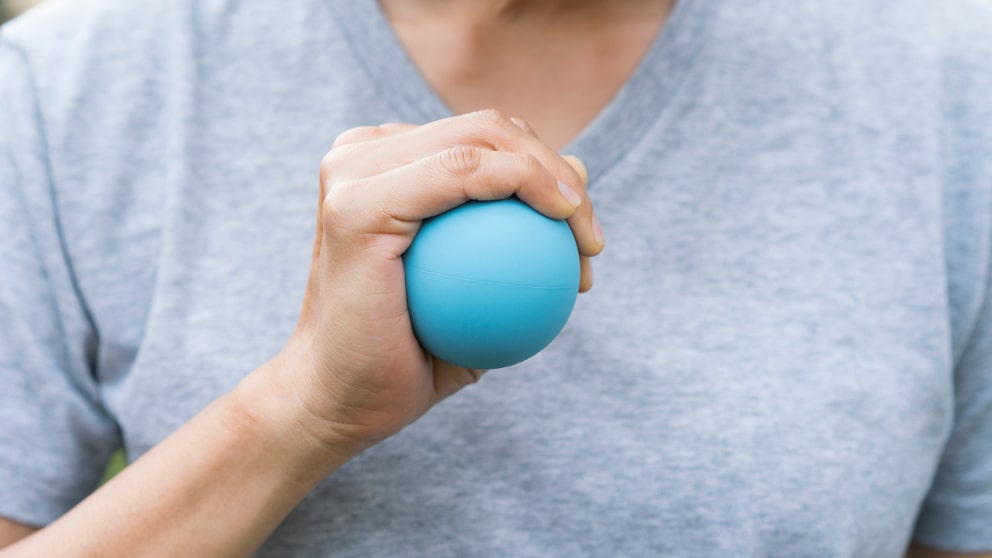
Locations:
{"points": [[55, 436], [957, 513]]}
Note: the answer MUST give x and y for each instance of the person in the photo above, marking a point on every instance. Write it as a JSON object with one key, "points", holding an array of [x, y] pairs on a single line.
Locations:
{"points": [[787, 352]]}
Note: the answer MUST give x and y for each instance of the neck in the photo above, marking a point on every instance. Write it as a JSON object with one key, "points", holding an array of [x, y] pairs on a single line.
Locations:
{"points": [[554, 63]]}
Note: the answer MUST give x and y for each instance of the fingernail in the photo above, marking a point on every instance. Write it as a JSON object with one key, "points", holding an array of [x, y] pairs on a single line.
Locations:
{"points": [[569, 194], [597, 229]]}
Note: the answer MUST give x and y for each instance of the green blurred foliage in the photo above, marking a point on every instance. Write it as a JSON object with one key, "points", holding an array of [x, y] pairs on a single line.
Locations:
{"points": [[117, 462]]}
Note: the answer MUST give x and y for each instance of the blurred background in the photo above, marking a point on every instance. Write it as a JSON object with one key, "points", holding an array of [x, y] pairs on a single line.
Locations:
{"points": [[10, 8]]}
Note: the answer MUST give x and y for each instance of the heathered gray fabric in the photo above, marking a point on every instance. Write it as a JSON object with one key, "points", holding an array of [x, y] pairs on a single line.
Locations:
{"points": [[788, 351]]}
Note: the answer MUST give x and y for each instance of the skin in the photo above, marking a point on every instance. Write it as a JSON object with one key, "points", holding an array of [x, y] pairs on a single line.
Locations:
{"points": [[225, 480], [564, 63]]}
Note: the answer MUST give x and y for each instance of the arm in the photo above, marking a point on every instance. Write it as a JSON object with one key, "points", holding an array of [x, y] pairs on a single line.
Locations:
{"points": [[12, 531], [224, 481], [217, 487], [918, 551]]}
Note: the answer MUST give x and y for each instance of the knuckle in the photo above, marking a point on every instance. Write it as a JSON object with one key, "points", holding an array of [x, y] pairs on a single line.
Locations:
{"points": [[533, 171], [334, 213], [532, 166], [494, 118], [461, 160], [328, 159], [330, 163], [521, 123], [355, 135]]}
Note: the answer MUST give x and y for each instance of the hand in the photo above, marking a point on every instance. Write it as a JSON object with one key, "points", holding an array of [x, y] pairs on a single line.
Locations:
{"points": [[353, 364]]}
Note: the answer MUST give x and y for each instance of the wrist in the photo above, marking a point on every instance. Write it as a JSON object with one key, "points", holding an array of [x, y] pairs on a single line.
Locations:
{"points": [[273, 412]]}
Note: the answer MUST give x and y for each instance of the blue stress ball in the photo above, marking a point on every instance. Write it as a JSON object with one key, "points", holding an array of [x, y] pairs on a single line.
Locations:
{"points": [[489, 284]]}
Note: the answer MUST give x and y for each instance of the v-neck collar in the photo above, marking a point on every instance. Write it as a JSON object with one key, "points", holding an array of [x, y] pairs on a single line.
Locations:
{"points": [[611, 134]]}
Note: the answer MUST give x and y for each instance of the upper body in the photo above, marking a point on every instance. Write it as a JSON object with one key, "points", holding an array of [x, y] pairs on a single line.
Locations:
{"points": [[788, 350]]}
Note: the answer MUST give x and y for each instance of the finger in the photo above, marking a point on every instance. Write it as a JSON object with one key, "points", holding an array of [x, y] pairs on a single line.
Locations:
{"points": [[489, 129], [370, 151], [523, 124], [353, 135], [585, 226], [494, 130], [369, 133], [350, 136], [579, 166], [450, 378], [436, 184], [466, 173], [585, 277], [355, 153]]}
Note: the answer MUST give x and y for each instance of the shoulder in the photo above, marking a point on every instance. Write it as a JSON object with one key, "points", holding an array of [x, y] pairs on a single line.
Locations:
{"points": [[79, 54], [129, 67], [69, 31], [66, 43]]}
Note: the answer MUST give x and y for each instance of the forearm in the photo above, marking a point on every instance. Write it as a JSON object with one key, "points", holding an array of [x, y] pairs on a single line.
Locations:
{"points": [[920, 551], [217, 487]]}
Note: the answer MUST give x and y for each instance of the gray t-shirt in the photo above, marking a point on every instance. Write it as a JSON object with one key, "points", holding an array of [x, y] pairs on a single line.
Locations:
{"points": [[788, 351]]}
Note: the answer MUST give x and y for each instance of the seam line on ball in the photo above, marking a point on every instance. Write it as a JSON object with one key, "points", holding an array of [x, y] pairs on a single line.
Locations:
{"points": [[488, 282]]}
